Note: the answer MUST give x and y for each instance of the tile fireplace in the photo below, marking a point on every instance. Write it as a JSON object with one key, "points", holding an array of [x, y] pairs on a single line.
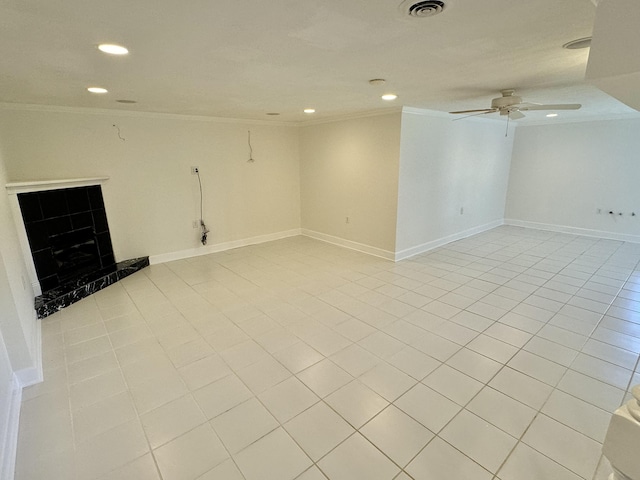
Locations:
{"points": [[66, 234]]}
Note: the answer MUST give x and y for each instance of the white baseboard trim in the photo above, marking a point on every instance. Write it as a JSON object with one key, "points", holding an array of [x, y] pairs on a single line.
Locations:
{"points": [[221, 247], [585, 232], [341, 242], [425, 247], [10, 440]]}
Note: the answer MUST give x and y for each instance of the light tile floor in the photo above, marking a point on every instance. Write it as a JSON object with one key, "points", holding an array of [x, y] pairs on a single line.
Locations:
{"points": [[500, 356]]}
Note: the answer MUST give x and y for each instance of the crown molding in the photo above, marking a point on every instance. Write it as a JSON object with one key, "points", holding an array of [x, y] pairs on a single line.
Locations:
{"points": [[27, 107]]}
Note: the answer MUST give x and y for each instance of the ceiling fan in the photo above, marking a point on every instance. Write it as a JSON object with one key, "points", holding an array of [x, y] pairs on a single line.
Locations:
{"points": [[513, 106]]}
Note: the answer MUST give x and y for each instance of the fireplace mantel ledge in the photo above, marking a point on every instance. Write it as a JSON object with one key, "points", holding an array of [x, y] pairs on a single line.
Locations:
{"points": [[43, 185]]}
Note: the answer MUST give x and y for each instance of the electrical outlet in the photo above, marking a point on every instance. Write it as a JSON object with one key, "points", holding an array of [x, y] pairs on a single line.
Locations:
{"points": [[195, 170]]}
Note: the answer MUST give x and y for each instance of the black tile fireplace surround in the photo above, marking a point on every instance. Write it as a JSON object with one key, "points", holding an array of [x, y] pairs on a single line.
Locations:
{"points": [[70, 244]]}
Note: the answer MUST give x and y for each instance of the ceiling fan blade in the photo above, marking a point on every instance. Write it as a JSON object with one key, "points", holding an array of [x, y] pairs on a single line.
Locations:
{"points": [[516, 115], [483, 110], [475, 114], [559, 106]]}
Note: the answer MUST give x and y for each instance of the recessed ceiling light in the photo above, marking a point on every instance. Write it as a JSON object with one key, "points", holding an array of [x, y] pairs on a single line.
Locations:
{"points": [[97, 90], [273, 113], [126, 101], [578, 44], [113, 49], [552, 115], [389, 96], [309, 110], [377, 81]]}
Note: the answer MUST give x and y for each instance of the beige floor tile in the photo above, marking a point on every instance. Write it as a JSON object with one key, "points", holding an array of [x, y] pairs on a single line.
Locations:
{"points": [[298, 356], [525, 463], [502, 411], [262, 375], [102, 416], [221, 395], [453, 384], [318, 430], [357, 458], [171, 420], [297, 301], [143, 468], [397, 435], [479, 440], [110, 450], [324, 378], [414, 363], [356, 403], [243, 425], [204, 371], [157, 391], [355, 360], [566, 446], [441, 460], [288, 399], [387, 381], [227, 470], [190, 455], [87, 392], [273, 457]]}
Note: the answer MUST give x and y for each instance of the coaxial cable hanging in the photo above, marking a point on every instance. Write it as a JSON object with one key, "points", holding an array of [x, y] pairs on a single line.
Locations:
{"points": [[250, 148], [203, 228]]}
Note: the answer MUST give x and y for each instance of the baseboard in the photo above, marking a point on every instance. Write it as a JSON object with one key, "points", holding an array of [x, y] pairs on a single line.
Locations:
{"points": [[585, 232], [425, 247], [221, 247], [10, 440], [342, 242]]}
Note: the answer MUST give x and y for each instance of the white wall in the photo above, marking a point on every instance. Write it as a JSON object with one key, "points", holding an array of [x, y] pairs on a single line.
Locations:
{"points": [[349, 168], [151, 197], [561, 174], [446, 166]]}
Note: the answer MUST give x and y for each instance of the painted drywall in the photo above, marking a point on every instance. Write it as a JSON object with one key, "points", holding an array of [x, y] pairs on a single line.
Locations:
{"points": [[453, 178], [151, 197], [349, 168], [562, 174], [17, 316]]}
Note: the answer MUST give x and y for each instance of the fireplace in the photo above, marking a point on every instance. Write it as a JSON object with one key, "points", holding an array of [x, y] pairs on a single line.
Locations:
{"points": [[68, 234], [62, 225], [75, 253]]}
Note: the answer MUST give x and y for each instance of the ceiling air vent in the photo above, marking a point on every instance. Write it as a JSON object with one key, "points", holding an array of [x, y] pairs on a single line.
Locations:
{"points": [[425, 8]]}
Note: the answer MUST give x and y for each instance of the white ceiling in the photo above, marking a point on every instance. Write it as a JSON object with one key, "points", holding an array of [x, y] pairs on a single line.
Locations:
{"points": [[242, 59]]}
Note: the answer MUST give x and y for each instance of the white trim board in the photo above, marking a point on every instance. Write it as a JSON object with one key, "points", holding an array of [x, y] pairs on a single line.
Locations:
{"points": [[221, 247], [32, 375], [56, 184], [10, 441], [425, 247], [585, 232], [351, 245], [21, 379]]}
